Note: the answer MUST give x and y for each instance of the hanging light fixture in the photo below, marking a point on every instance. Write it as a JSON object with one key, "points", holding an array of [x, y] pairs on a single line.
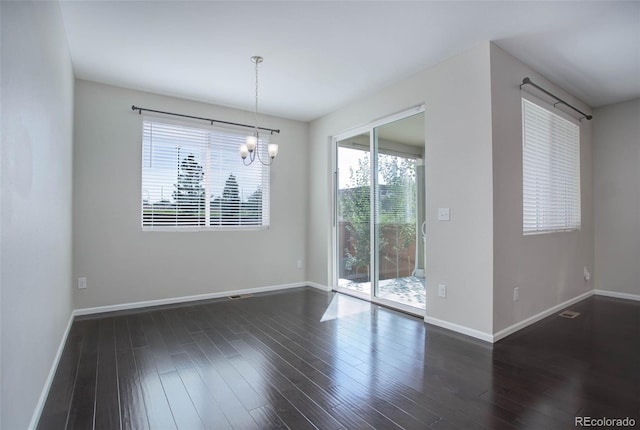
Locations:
{"points": [[251, 148]]}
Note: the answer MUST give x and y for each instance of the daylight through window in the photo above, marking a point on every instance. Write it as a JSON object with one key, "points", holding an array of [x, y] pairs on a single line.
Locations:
{"points": [[193, 179], [551, 171]]}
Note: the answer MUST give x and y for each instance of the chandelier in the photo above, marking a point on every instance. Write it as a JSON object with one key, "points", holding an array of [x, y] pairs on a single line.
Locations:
{"points": [[250, 150]]}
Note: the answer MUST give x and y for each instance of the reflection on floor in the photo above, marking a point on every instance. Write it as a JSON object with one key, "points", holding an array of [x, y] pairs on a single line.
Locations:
{"points": [[342, 305], [410, 291], [267, 362]]}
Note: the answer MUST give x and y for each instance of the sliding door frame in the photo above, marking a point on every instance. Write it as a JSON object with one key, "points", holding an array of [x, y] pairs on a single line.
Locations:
{"points": [[335, 265]]}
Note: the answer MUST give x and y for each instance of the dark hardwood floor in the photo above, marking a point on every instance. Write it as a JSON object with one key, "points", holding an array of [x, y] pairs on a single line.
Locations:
{"points": [[269, 362]]}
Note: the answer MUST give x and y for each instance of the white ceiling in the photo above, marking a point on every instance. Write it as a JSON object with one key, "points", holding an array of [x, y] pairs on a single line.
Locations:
{"points": [[320, 55]]}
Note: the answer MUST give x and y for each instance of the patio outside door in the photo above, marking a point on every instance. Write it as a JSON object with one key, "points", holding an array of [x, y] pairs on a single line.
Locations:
{"points": [[379, 212]]}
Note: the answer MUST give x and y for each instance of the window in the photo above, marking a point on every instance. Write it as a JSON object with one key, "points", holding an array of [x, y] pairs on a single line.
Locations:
{"points": [[194, 179], [551, 171]]}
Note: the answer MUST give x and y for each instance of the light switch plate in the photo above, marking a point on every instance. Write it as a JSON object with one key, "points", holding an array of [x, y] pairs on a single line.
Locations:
{"points": [[443, 214]]}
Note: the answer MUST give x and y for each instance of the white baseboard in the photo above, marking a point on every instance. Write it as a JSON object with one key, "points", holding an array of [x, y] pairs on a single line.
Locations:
{"points": [[511, 329], [537, 317], [459, 328], [144, 304], [430, 320], [35, 418], [319, 286], [184, 299], [617, 295]]}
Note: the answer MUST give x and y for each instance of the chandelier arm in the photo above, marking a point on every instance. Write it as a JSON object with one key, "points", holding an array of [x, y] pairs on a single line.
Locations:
{"points": [[257, 151]]}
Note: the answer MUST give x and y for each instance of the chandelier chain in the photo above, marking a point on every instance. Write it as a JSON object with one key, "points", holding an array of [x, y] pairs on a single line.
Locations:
{"points": [[256, 110]]}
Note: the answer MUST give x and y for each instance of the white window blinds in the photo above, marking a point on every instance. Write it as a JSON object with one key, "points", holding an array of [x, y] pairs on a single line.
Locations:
{"points": [[194, 179], [396, 189], [550, 171]]}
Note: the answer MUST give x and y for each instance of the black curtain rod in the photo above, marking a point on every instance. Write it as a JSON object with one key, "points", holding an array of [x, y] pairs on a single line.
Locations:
{"points": [[527, 81], [140, 110]]}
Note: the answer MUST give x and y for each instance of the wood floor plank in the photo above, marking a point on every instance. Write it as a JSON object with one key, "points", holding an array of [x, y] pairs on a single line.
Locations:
{"points": [[464, 417], [200, 317], [207, 407], [291, 416], [107, 405], [133, 414], [221, 343], [184, 315], [357, 403], [56, 408], [171, 342], [177, 323], [156, 343], [272, 361], [82, 409], [315, 403], [138, 340], [183, 411], [155, 399], [242, 389], [421, 414], [235, 412], [402, 418], [267, 419], [226, 332], [298, 360]]}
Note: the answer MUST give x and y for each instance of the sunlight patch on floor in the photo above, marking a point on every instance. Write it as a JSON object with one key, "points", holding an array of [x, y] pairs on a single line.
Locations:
{"points": [[342, 306]]}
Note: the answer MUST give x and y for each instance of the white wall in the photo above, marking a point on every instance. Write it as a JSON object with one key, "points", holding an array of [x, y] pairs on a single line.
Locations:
{"points": [[458, 176], [547, 268], [122, 264], [616, 193], [37, 115]]}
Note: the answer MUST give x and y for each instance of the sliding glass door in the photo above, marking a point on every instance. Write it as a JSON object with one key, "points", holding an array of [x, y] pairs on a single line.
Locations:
{"points": [[354, 215], [379, 213]]}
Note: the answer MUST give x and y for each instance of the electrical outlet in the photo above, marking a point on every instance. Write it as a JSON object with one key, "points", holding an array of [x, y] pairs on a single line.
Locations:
{"points": [[299, 264], [82, 283], [587, 275], [442, 290], [516, 294]]}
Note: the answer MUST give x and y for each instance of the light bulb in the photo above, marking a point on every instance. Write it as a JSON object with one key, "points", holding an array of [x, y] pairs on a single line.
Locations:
{"points": [[244, 151], [252, 141], [273, 150]]}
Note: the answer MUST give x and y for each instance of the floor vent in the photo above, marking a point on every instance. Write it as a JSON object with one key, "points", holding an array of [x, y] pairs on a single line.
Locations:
{"points": [[240, 296], [569, 314]]}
